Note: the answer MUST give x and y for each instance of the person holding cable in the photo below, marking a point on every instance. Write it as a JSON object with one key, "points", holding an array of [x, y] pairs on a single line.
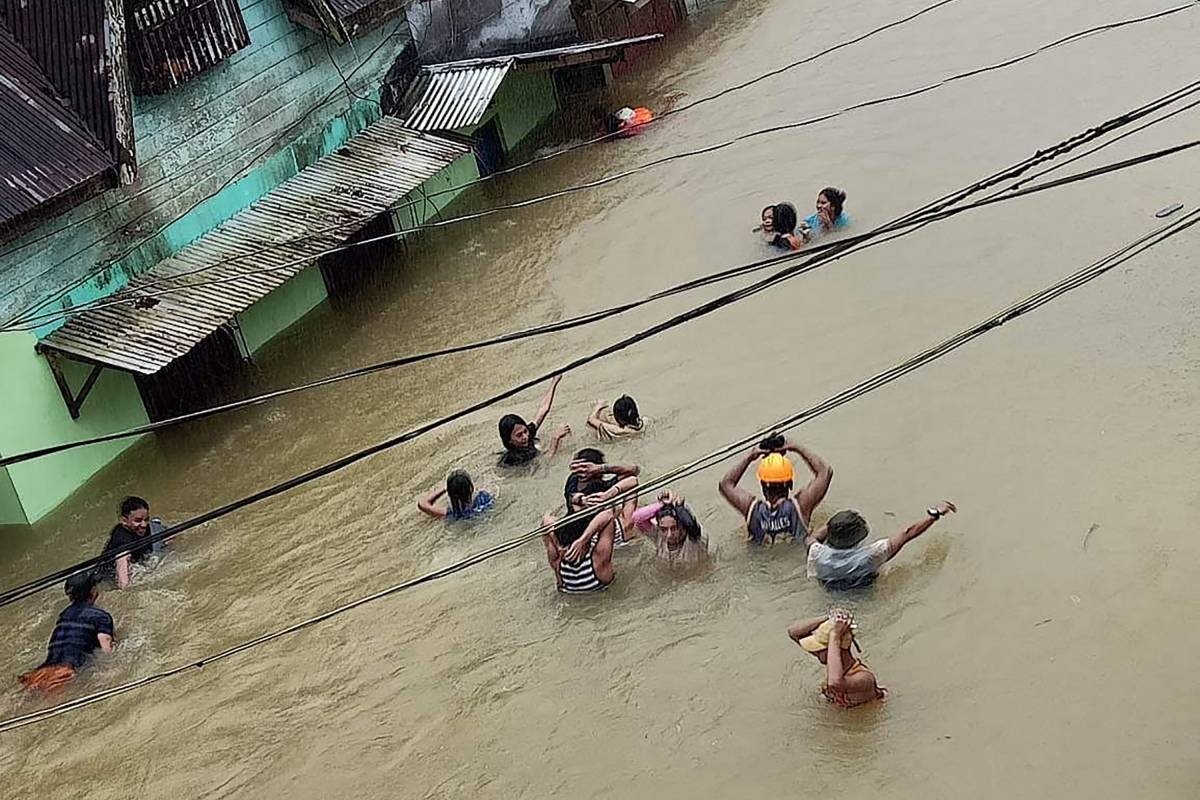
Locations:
{"points": [[838, 558], [778, 512]]}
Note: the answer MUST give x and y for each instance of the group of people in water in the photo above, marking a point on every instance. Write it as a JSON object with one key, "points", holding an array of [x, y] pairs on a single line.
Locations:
{"points": [[601, 515], [781, 226]]}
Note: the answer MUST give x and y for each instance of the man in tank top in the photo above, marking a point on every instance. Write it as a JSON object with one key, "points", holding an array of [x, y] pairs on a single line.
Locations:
{"points": [[778, 512]]}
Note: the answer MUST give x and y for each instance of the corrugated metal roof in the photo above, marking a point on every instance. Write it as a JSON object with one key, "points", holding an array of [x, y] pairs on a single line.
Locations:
{"points": [[448, 99], [45, 148], [67, 40], [345, 189], [456, 94]]}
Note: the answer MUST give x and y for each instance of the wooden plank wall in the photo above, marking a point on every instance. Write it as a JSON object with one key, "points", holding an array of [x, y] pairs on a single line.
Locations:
{"points": [[197, 137]]}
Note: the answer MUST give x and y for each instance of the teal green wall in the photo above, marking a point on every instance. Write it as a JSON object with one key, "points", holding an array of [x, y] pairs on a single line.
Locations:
{"points": [[11, 512], [35, 416], [424, 204], [282, 308], [525, 101]]}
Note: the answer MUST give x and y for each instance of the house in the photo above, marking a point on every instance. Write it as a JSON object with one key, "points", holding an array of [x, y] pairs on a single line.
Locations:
{"points": [[171, 172]]}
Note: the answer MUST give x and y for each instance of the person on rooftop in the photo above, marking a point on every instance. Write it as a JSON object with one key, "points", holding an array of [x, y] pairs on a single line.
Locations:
{"points": [[778, 512], [82, 628], [520, 437]]}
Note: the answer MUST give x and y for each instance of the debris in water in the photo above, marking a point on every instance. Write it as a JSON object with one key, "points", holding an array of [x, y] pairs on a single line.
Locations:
{"points": [[1094, 527], [1169, 210], [1043, 622]]}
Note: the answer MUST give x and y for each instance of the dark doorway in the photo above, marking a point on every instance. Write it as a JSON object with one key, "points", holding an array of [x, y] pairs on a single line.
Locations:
{"points": [[489, 148], [209, 371]]}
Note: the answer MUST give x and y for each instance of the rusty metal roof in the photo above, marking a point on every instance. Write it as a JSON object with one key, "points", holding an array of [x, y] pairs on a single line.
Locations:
{"points": [[445, 99], [324, 203], [456, 94], [46, 149]]}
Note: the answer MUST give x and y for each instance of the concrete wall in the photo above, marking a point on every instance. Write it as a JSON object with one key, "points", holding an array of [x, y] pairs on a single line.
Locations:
{"points": [[282, 308], [525, 101], [193, 140], [36, 416]]}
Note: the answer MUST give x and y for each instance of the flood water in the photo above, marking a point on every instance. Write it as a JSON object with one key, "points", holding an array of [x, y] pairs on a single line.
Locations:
{"points": [[1025, 657]]}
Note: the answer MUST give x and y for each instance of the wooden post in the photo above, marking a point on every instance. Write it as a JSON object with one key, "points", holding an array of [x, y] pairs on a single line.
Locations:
{"points": [[119, 95]]}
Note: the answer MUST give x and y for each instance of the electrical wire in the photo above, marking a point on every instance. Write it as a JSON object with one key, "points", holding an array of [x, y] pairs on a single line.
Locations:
{"points": [[24, 321], [865, 239], [287, 131], [143, 289], [837, 251], [877, 381]]}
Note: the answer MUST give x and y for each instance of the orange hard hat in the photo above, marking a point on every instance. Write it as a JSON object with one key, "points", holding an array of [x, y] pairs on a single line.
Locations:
{"points": [[775, 468]]}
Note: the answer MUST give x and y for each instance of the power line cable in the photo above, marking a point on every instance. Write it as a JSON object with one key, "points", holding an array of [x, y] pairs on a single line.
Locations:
{"points": [[142, 290], [879, 380], [24, 320], [866, 240], [840, 249]]}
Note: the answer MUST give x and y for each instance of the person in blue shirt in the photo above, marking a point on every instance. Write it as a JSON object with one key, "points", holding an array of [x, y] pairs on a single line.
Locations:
{"points": [[830, 215], [82, 628], [465, 501]]}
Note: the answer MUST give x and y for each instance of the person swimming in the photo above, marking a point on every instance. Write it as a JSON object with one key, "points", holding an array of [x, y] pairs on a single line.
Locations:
{"points": [[624, 420], [777, 513], [82, 628], [520, 437], [830, 215], [783, 225], [464, 501]]}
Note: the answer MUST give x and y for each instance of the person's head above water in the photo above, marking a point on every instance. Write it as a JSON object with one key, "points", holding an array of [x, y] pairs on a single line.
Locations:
{"points": [[768, 219], [515, 433], [677, 524], [81, 587], [831, 200], [460, 490], [845, 530], [820, 640], [625, 412], [135, 515], [776, 474], [784, 219]]}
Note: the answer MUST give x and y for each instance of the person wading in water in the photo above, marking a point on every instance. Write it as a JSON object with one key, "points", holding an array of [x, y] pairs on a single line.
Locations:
{"points": [[777, 513]]}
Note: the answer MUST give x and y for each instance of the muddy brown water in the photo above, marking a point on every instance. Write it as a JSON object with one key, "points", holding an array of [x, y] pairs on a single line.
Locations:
{"points": [[1021, 662]]}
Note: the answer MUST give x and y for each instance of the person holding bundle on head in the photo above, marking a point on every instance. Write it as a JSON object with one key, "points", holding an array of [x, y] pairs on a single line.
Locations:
{"points": [[778, 512]]}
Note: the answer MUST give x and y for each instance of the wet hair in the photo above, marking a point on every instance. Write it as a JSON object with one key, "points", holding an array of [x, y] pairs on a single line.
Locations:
{"points": [[625, 412], [590, 455], [507, 424], [836, 198], [846, 529], [460, 490], [785, 218], [682, 515], [131, 504], [79, 587], [776, 491]]}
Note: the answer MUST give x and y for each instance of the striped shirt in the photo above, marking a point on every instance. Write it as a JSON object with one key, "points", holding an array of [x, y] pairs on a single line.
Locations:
{"points": [[77, 634]]}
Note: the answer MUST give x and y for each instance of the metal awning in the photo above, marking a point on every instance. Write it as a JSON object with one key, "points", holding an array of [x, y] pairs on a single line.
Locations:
{"points": [[456, 94], [230, 268]]}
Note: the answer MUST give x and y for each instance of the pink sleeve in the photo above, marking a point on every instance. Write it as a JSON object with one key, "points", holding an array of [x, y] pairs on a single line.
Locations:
{"points": [[643, 515]]}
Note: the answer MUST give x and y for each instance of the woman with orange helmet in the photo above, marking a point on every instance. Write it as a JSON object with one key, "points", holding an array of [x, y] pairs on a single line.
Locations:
{"points": [[777, 512]]}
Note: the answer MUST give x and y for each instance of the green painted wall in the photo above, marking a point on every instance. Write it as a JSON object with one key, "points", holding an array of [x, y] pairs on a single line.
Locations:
{"points": [[11, 512], [425, 204], [36, 416], [525, 101], [282, 308]]}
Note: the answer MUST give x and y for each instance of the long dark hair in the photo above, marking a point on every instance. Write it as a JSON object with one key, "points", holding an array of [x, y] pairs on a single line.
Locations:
{"points": [[625, 412], [460, 490], [785, 219], [684, 516], [570, 531], [836, 198]]}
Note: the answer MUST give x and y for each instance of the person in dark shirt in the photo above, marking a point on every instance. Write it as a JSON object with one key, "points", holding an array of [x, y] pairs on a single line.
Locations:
{"points": [[132, 530], [81, 629], [520, 437]]}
